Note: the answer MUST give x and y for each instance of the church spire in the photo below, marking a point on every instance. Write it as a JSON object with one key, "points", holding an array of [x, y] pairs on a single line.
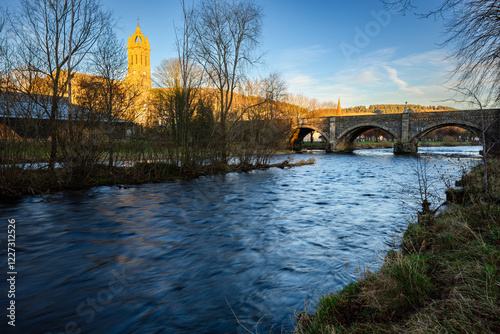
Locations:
{"points": [[138, 56], [339, 109]]}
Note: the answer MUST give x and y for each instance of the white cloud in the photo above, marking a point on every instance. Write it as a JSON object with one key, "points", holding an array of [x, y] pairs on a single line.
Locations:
{"points": [[301, 83], [363, 76], [376, 77], [367, 70], [393, 75], [374, 58], [378, 56], [433, 57], [303, 80]]}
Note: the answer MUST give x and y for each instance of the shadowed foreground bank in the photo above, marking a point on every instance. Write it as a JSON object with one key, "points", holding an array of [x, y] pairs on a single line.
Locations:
{"points": [[445, 278]]}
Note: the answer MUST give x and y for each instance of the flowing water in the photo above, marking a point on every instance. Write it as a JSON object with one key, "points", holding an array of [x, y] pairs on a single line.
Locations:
{"points": [[201, 255]]}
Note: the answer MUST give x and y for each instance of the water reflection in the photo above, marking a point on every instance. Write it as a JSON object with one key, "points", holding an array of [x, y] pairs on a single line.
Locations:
{"points": [[181, 257]]}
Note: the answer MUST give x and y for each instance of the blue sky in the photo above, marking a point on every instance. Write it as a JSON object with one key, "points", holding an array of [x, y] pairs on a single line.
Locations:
{"points": [[355, 50]]}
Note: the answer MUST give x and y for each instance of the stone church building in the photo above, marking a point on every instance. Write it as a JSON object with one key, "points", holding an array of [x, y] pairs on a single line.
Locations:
{"points": [[139, 73]]}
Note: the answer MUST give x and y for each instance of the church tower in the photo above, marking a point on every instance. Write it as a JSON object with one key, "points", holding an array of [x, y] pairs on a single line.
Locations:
{"points": [[139, 71]]}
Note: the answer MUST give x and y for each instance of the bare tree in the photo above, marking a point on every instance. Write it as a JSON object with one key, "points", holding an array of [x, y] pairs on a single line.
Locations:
{"points": [[190, 74], [276, 92], [474, 34], [261, 129], [4, 64], [106, 100], [182, 79], [263, 93], [300, 105], [488, 142], [471, 27], [5, 82], [168, 73], [408, 6], [226, 34], [3, 42], [53, 35], [215, 46], [174, 106]]}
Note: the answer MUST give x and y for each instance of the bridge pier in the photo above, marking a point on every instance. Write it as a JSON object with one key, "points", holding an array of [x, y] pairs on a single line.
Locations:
{"points": [[404, 145], [405, 148], [338, 146], [295, 146]]}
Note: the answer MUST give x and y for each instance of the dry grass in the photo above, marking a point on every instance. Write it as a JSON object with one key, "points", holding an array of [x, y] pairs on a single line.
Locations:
{"points": [[444, 279]]}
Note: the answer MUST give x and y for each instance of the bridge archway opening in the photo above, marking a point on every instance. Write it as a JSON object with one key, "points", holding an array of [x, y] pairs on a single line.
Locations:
{"points": [[367, 136], [313, 138], [465, 131], [372, 135], [451, 134]]}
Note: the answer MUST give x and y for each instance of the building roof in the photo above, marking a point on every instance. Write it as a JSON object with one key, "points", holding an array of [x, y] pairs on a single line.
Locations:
{"points": [[14, 105]]}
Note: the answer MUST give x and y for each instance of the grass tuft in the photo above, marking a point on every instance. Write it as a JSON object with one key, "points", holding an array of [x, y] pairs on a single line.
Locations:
{"points": [[444, 279]]}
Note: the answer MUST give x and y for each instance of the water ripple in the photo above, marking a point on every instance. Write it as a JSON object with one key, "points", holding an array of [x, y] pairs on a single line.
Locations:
{"points": [[180, 257]]}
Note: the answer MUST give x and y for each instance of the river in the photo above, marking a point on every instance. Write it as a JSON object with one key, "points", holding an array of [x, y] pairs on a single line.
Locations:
{"points": [[198, 256]]}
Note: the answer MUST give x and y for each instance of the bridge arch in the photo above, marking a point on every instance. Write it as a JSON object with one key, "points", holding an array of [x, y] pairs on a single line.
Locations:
{"points": [[463, 124], [353, 132], [346, 138], [298, 134]]}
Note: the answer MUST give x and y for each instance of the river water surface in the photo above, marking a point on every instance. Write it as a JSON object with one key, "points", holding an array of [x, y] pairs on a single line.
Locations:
{"points": [[193, 257]]}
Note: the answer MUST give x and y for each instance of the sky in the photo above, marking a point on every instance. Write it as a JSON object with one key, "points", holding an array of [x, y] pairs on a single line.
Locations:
{"points": [[355, 50]]}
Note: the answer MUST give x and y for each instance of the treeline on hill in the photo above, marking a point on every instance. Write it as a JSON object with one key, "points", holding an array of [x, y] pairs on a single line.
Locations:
{"points": [[296, 109], [393, 109]]}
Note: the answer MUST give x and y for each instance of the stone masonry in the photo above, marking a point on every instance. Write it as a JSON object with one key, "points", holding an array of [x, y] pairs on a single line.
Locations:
{"points": [[406, 128]]}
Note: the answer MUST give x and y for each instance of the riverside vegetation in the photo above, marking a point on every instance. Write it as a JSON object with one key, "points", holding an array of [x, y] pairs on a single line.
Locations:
{"points": [[62, 129], [138, 162], [92, 154], [445, 277]]}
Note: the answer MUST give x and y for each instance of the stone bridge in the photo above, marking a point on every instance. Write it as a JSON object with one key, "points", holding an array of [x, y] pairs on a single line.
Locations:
{"points": [[406, 128]]}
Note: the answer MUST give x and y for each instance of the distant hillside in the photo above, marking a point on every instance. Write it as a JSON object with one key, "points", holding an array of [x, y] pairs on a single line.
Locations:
{"points": [[393, 109]]}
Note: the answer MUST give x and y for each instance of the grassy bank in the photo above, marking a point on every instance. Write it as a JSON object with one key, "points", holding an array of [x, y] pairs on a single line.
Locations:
{"points": [[387, 144], [447, 143], [356, 146], [18, 182], [445, 278]]}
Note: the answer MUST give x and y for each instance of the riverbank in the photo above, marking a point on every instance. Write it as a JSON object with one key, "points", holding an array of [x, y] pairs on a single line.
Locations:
{"points": [[18, 182], [444, 278]]}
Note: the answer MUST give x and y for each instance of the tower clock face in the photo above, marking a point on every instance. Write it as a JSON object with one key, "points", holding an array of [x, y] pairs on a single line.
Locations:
{"points": [[134, 72], [144, 73]]}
